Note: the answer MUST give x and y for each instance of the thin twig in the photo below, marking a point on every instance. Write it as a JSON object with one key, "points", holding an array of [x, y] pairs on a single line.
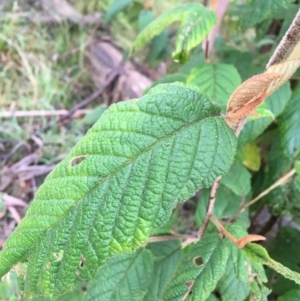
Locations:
{"points": [[280, 182], [9, 114], [169, 237], [210, 206]]}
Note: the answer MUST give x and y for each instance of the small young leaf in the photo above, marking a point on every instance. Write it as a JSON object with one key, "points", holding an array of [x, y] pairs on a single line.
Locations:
{"points": [[125, 277], [141, 157], [196, 22], [199, 271], [218, 81]]}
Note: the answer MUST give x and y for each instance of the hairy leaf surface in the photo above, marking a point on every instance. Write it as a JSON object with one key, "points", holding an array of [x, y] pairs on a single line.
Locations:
{"points": [[137, 161], [125, 277], [196, 22]]}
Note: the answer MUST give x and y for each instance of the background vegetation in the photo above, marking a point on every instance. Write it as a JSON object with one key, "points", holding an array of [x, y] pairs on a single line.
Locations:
{"points": [[50, 59]]}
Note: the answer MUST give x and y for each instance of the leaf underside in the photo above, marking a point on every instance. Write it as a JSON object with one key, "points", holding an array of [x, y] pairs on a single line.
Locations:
{"points": [[137, 161]]}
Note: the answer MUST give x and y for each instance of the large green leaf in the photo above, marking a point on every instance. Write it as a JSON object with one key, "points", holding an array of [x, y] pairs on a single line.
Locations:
{"points": [[125, 277], [289, 125], [167, 256], [218, 81], [196, 22], [256, 11], [139, 159], [199, 271]]}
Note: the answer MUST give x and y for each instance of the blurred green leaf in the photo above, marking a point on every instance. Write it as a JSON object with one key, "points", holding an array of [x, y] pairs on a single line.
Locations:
{"points": [[251, 156], [255, 11], [237, 180], [116, 7], [279, 99], [289, 124], [218, 81], [292, 295], [196, 22], [285, 249]]}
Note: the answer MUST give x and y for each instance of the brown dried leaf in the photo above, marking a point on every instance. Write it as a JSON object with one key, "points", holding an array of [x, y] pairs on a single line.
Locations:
{"points": [[249, 95], [287, 69], [241, 242]]}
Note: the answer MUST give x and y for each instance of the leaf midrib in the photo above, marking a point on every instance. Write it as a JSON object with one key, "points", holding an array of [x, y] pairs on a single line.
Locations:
{"points": [[129, 161]]}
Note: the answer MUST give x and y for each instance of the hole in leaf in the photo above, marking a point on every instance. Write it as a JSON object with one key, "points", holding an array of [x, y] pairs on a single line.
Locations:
{"points": [[81, 264], [189, 284], [84, 289], [198, 261], [77, 160]]}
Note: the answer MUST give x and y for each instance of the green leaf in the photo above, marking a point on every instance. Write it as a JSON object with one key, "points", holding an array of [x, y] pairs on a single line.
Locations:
{"points": [[292, 295], [256, 11], [297, 166], [167, 256], [227, 203], [278, 100], [140, 159], [251, 156], [285, 249], [253, 129], [260, 255], [125, 277], [199, 271], [262, 112], [238, 180], [247, 268], [218, 81], [196, 23], [289, 124], [297, 182], [116, 7], [230, 287]]}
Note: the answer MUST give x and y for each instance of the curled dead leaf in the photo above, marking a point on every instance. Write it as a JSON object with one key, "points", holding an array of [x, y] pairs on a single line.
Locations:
{"points": [[249, 95], [287, 69]]}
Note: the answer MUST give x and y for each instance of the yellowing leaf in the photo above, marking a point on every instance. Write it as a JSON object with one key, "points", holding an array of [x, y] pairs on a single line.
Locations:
{"points": [[252, 157]]}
